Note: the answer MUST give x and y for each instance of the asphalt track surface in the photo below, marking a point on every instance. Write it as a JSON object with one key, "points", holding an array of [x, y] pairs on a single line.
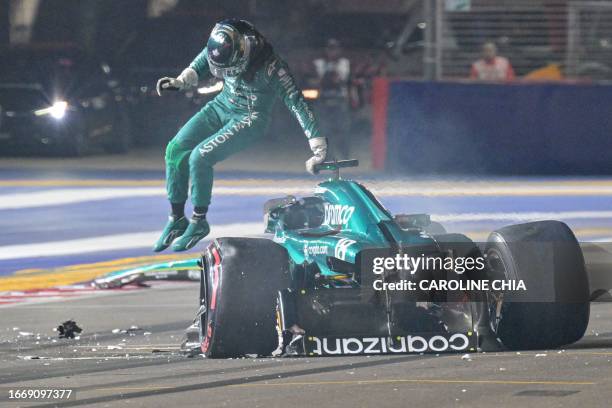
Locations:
{"points": [[68, 226], [146, 370]]}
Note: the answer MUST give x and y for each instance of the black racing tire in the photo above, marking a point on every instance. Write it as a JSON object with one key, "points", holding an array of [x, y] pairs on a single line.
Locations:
{"points": [[241, 279], [548, 258], [461, 247]]}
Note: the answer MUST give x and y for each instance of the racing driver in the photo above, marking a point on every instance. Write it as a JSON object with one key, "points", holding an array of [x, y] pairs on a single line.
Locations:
{"points": [[253, 77]]}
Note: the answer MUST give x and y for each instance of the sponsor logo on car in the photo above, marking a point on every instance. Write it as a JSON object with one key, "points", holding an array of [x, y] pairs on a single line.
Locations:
{"points": [[435, 343], [338, 214], [314, 250], [341, 247]]}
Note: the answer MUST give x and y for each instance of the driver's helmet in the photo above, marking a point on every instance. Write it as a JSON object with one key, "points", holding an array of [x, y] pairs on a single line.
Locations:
{"points": [[230, 47]]}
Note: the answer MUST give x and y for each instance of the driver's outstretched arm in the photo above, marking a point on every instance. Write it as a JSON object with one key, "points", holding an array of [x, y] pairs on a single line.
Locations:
{"points": [[280, 78]]}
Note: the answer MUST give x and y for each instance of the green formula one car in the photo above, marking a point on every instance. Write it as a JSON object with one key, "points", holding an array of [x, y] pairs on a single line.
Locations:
{"points": [[339, 275]]}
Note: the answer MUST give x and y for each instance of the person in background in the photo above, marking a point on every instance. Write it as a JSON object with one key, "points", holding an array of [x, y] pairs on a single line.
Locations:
{"points": [[492, 67], [332, 77]]}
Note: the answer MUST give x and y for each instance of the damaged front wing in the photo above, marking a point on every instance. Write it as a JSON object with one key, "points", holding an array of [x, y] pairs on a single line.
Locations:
{"points": [[182, 270]]}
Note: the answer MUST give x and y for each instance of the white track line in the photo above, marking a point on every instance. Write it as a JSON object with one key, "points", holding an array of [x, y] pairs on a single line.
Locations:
{"points": [[71, 196], [522, 216], [64, 196], [146, 239], [114, 242]]}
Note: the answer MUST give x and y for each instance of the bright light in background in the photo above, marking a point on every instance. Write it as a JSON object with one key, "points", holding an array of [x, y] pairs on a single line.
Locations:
{"points": [[57, 110], [211, 89], [310, 93]]}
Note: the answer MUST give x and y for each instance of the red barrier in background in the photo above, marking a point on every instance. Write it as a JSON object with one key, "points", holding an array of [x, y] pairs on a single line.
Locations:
{"points": [[380, 100]]}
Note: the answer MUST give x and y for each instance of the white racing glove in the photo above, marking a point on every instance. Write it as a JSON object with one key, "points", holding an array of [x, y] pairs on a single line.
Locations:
{"points": [[187, 79], [318, 145]]}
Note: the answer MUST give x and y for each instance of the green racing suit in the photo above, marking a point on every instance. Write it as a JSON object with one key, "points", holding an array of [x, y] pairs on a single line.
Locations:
{"points": [[236, 118]]}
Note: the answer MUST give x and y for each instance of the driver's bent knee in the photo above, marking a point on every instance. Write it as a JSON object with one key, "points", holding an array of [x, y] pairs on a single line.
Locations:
{"points": [[172, 150], [175, 151]]}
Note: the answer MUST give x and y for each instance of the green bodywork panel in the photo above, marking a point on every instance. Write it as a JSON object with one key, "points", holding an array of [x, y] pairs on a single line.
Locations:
{"points": [[352, 220], [187, 269]]}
